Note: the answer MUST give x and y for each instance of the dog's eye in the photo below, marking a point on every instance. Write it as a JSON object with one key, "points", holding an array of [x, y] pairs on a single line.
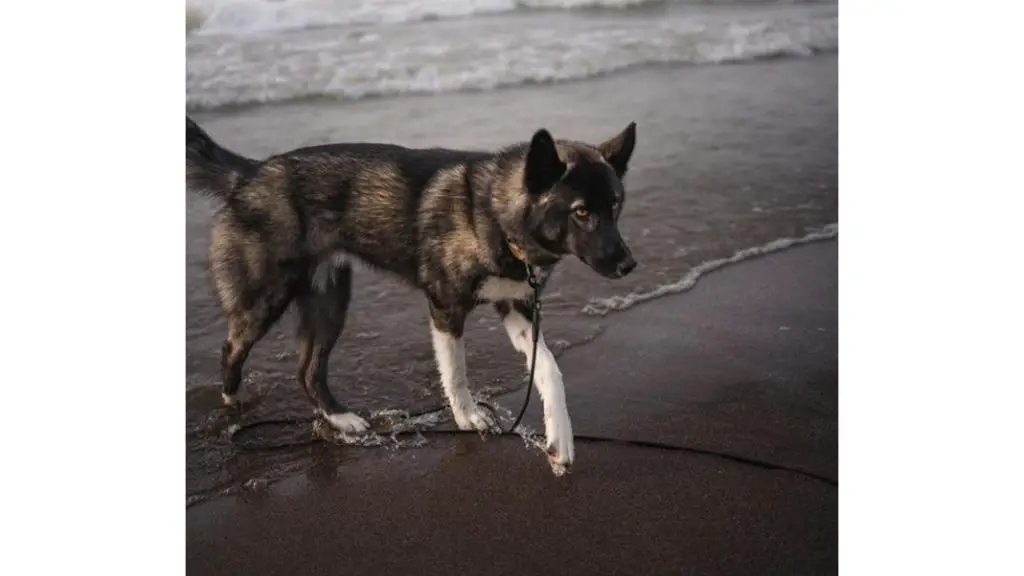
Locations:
{"points": [[582, 212]]}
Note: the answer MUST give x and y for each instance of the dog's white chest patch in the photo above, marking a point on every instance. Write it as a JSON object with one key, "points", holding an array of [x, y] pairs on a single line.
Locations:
{"points": [[323, 275], [496, 289]]}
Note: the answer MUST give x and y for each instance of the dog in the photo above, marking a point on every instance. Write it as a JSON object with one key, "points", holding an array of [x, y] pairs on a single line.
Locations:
{"points": [[464, 227]]}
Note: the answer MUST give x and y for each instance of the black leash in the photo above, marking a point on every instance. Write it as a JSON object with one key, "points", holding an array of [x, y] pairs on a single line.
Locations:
{"points": [[577, 437], [537, 284]]}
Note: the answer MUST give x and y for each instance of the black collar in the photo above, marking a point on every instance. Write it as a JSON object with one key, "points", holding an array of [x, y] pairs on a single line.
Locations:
{"points": [[536, 276]]}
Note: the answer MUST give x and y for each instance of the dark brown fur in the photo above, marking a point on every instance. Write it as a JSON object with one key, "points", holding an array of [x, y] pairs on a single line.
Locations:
{"points": [[441, 220]]}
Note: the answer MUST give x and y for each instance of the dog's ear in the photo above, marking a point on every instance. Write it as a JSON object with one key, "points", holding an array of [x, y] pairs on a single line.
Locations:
{"points": [[543, 166], [619, 149]]}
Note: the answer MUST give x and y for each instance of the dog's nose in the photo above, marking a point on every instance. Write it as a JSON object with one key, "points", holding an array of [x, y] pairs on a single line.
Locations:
{"points": [[626, 266]]}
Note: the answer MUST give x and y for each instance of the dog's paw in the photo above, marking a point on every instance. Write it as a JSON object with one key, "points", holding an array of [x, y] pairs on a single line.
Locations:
{"points": [[476, 417], [347, 423], [560, 446], [229, 400]]}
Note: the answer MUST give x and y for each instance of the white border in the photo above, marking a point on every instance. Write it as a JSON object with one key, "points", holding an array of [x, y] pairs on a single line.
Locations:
{"points": [[930, 292], [93, 223]]}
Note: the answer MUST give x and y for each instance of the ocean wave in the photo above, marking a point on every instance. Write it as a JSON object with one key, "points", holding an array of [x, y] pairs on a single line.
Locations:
{"points": [[602, 306], [386, 62], [241, 17]]}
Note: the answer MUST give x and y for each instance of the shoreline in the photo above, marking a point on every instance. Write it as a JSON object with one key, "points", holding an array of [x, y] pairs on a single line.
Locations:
{"points": [[732, 158], [512, 397], [324, 100], [744, 363], [621, 303]]}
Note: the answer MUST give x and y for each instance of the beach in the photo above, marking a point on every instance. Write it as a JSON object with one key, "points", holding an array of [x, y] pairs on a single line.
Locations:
{"points": [[745, 364], [722, 341], [748, 160]]}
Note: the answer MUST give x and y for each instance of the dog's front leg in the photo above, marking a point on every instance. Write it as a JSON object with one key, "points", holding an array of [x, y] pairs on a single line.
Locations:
{"points": [[450, 352], [557, 426]]}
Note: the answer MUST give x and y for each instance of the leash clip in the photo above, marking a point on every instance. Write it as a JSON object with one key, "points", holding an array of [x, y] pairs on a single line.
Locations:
{"points": [[531, 279], [536, 282]]}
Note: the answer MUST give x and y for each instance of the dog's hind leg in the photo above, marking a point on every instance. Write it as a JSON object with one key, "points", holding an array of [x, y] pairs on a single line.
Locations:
{"points": [[322, 312], [557, 426], [450, 350], [251, 310]]}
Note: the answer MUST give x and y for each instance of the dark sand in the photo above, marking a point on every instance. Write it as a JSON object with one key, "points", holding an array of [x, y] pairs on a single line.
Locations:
{"points": [[728, 158], [745, 363]]}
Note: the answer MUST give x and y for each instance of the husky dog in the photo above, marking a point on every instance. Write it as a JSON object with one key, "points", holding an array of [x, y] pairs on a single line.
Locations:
{"points": [[462, 226]]}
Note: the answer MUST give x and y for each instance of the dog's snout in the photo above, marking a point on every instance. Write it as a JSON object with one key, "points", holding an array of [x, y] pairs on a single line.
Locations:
{"points": [[626, 266]]}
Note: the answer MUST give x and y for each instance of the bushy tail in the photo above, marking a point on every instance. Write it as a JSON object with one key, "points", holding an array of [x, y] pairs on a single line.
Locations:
{"points": [[209, 168]]}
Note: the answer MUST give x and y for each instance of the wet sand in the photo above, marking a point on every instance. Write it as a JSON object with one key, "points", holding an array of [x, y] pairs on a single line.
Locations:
{"points": [[745, 364], [728, 158]]}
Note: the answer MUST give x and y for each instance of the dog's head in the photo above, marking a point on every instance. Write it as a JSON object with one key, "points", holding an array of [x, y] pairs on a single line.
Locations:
{"points": [[576, 196]]}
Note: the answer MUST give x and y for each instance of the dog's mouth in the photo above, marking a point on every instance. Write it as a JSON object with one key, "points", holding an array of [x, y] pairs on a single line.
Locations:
{"points": [[612, 271], [605, 271]]}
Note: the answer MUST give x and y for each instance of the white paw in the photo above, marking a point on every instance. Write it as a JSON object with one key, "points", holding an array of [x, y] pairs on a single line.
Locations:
{"points": [[348, 423], [560, 448], [228, 399], [475, 418]]}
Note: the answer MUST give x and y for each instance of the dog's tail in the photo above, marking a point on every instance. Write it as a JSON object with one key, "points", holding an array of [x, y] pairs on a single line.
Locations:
{"points": [[210, 168]]}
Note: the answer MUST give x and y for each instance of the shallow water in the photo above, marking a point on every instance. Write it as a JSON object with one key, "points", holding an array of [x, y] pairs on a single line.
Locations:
{"points": [[728, 158], [250, 51]]}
